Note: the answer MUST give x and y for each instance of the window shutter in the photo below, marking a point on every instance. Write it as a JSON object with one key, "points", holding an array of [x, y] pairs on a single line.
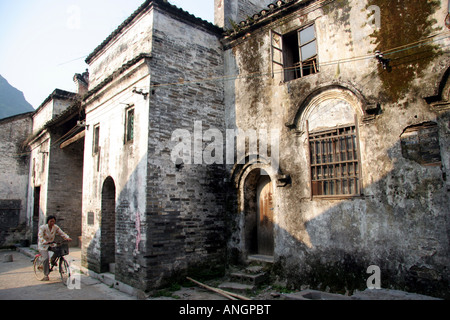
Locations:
{"points": [[276, 52]]}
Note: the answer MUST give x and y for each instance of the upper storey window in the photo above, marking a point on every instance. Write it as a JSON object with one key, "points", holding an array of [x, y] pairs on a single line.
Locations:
{"points": [[129, 124], [96, 140], [295, 53]]}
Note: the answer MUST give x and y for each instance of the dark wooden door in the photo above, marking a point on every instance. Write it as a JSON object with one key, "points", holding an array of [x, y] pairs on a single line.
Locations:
{"points": [[108, 225], [265, 219], [36, 214]]}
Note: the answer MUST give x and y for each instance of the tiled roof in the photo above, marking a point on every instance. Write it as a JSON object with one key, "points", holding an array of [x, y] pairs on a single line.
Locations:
{"points": [[57, 94], [162, 4]]}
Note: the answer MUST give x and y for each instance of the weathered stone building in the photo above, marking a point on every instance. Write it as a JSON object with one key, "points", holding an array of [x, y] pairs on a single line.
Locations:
{"points": [[344, 106], [364, 141]]}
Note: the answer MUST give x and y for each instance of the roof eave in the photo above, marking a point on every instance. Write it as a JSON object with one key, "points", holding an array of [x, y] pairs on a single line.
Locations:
{"points": [[146, 6], [277, 10]]}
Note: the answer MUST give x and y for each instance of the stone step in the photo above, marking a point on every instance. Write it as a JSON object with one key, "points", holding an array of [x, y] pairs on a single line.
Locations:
{"points": [[249, 278], [254, 269], [260, 258], [237, 287]]}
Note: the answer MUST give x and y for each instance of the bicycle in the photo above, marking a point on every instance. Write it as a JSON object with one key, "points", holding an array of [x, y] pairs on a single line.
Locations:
{"points": [[61, 250]]}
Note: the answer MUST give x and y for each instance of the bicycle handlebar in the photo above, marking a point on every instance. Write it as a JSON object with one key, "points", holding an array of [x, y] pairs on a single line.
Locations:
{"points": [[57, 243]]}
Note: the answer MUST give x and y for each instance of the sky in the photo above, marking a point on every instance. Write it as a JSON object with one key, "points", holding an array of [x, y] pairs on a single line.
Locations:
{"points": [[43, 43]]}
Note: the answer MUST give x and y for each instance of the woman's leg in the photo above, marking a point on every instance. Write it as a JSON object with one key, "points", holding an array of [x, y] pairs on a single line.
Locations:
{"points": [[44, 257]]}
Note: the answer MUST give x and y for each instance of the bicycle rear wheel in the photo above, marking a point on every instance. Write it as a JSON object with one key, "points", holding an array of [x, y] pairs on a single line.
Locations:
{"points": [[38, 265], [64, 270]]}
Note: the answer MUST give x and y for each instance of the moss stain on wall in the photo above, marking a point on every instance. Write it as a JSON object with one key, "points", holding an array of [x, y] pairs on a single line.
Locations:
{"points": [[339, 11], [403, 23], [251, 66]]}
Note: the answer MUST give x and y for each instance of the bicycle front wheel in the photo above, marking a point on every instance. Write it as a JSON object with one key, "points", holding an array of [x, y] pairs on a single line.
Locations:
{"points": [[38, 265], [64, 271]]}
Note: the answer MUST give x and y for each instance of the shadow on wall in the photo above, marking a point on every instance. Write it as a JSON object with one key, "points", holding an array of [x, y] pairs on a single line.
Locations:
{"points": [[399, 224], [162, 231], [117, 244]]}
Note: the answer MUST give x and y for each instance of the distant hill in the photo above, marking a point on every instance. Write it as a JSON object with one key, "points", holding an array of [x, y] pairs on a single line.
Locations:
{"points": [[12, 101]]}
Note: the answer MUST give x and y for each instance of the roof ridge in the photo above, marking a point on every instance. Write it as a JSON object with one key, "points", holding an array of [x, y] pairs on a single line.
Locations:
{"points": [[272, 8]]}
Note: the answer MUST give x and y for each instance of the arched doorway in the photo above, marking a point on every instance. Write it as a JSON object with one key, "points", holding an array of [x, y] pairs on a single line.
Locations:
{"points": [[265, 208], [108, 225], [259, 213]]}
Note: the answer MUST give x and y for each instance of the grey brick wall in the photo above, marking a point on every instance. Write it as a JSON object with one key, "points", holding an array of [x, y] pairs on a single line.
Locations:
{"points": [[186, 205], [9, 219]]}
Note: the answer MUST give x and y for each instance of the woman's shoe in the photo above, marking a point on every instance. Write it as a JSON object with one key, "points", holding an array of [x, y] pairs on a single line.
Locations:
{"points": [[45, 279]]}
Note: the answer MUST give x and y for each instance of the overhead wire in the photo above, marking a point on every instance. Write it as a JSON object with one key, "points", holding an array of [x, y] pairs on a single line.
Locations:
{"points": [[391, 51], [76, 59]]}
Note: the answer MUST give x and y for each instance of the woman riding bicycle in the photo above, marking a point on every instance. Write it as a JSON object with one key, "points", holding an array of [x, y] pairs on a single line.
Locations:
{"points": [[47, 233]]}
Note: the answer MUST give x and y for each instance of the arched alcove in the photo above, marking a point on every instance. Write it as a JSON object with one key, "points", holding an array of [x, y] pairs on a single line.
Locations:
{"points": [[330, 108], [257, 205], [108, 225]]}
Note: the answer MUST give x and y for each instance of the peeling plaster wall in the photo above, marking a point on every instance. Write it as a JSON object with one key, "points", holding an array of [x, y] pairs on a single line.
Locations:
{"points": [[125, 163], [168, 220], [49, 111], [229, 12], [125, 46], [400, 221], [122, 161], [38, 177]]}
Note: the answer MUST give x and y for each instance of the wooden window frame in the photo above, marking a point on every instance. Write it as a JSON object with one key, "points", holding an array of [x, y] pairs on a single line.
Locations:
{"points": [[278, 50], [333, 173], [312, 61], [127, 138]]}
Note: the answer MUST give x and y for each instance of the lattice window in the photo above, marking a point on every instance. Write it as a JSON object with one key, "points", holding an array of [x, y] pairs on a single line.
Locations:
{"points": [[334, 159]]}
